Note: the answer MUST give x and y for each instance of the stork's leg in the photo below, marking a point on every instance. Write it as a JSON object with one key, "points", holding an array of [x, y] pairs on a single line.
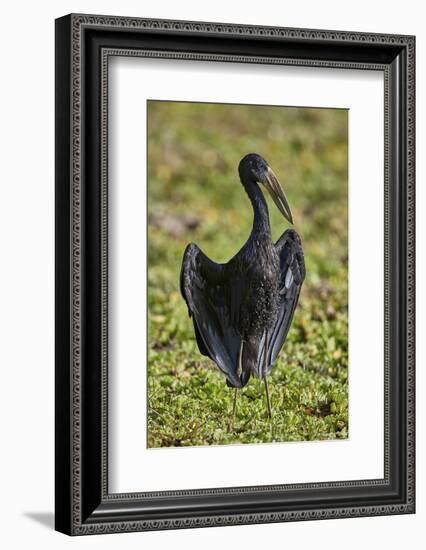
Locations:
{"points": [[265, 368], [240, 359], [268, 400], [234, 406], [234, 410], [240, 370]]}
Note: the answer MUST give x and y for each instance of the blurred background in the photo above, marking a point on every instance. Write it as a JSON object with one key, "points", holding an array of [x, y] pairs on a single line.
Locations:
{"points": [[194, 194]]}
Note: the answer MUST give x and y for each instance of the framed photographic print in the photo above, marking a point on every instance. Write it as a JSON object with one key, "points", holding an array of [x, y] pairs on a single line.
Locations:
{"points": [[234, 274]]}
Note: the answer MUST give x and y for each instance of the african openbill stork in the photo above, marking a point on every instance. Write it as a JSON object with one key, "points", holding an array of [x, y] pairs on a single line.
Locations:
{"points": [[242, 310]]}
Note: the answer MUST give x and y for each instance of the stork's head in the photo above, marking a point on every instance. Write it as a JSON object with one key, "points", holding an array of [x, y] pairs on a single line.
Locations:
{"points": [[254, 169]]}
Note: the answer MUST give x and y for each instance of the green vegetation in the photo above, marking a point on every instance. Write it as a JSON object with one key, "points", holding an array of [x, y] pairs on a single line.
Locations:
{"points": [[195, 195]]}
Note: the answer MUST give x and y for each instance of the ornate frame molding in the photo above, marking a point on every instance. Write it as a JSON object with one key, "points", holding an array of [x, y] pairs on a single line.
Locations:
{"points": [[86, 507]]}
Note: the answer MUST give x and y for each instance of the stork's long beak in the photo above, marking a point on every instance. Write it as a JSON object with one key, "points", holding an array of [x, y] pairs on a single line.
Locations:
{"points": [[273, 186]]}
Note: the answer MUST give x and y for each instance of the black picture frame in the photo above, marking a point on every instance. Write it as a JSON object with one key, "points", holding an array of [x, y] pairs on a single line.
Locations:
{"points": [[83, 45]]}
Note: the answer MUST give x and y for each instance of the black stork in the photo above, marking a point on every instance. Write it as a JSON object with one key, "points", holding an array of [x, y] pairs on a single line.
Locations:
{"points": [[242, 310]]}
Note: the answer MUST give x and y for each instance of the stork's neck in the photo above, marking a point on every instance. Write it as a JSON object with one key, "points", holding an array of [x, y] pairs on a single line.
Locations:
{"points": [[261, 223]]}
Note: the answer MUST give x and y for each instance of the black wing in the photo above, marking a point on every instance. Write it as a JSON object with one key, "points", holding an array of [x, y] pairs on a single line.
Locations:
{"points": [[292, 268], [213, 305]]}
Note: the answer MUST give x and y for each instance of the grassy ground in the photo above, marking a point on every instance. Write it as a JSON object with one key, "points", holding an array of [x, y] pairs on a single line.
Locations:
{"points": [[195, 195]]}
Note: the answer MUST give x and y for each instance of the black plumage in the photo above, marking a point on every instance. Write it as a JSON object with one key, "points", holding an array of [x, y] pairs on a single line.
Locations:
{"points": [[242, 310]]}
